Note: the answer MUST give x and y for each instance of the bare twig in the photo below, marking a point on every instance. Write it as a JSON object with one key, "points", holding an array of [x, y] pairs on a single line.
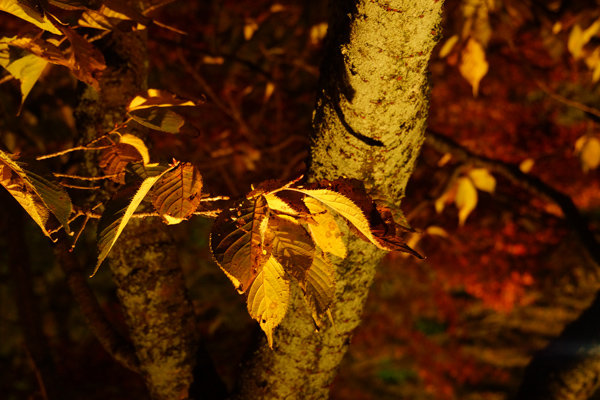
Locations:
{"points": [[80, 187], [564, 100], [60, 153], [157, 6], [216, 198], [86, 178]]}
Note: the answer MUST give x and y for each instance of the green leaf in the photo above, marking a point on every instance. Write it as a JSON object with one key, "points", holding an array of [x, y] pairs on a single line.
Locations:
{"points": [[268, 298], [118, 212], [22, 65], [34, 14], [36, 189], [178, 193], [320, 286], [238, 241]]}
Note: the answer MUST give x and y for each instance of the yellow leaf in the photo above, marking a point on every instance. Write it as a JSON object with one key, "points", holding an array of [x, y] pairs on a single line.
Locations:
{"points": [[440, 203], [276, 204], [249, 29], [526, 165], [483, 180], [345, 207], [578, 38], [157, 98], [592, 61], [557, 27], [436, 231], [444, 160], [25, 67], [590, 154], [326, 233], [269, 89], [268, 297], [318, 32], [466, 199], [320, 286], [448, 46], [473, 65], [38, 17], [139, 145]]}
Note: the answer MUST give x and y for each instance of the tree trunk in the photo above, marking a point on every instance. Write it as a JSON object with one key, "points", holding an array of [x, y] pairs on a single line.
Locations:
{"points": [[369, 124], [150, 283]]}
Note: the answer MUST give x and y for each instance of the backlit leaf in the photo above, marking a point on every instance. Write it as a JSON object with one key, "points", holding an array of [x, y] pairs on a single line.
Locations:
{"points": [[86, 61], [238, 241], [588, 149], [320, 286], [326, 233], [22, 65], [473, 65], [293, 247], [177, 194], [578, 38], [526, 165], [139, 145], [466, 198], [157, 98], [162, 119], [36, 189], [115, 159], [483, 180], [118, 212], [32, 12], [268, 298], [448, 46]]}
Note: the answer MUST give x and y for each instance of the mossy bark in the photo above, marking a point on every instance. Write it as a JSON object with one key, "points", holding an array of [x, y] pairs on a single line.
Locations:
{"points": [[144, 264], [369, 124]]}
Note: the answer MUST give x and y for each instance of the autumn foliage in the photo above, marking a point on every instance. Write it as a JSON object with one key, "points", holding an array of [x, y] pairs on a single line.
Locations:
{"points": [[514, 83]]}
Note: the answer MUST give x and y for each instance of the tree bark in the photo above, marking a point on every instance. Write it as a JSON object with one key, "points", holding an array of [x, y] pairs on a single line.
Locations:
{"points": [[150, 283], [369, 124]]}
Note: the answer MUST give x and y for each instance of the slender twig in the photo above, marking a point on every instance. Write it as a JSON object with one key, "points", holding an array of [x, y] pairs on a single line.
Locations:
{"points": [[216, 198], [60, 153], [156, 6], [569, 102], [155, 22], [85, 221], [86, 178], [80, 187]]}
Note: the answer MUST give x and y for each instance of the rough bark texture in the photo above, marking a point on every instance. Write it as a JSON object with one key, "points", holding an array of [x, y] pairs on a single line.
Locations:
{"points": [[158, 312], [144, 262], [369, 124]]}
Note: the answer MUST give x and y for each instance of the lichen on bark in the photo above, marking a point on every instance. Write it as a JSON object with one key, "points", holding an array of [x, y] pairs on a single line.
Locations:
{"points": [[369, 124]]}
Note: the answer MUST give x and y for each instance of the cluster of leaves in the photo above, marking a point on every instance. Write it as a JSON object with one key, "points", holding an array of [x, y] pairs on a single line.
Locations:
{"points": [[289, 231], [278, 232]]}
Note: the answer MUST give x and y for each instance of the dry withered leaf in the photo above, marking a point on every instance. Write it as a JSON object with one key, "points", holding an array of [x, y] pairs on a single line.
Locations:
{"points": [[114, 160]]}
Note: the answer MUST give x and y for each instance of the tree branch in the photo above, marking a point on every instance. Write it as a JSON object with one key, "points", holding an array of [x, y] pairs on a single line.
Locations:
{"points": [[533, 185], [569, 367]]}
